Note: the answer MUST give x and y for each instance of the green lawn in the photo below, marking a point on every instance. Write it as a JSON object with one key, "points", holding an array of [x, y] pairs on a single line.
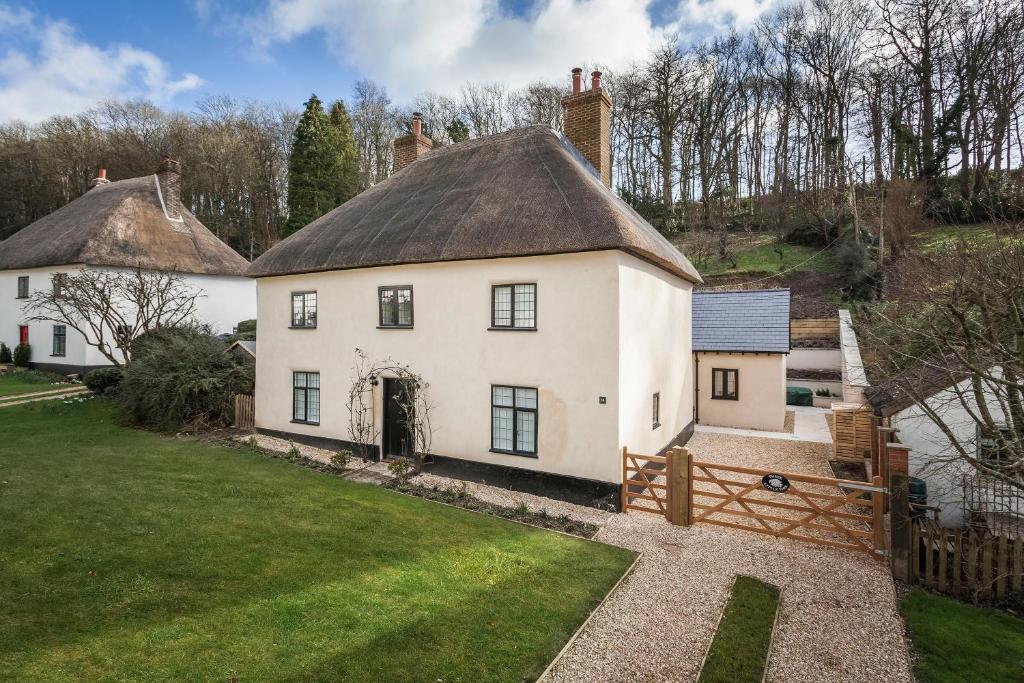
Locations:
{"points": [[131, 556], [16, 383], [739, 652], [954, 641]]}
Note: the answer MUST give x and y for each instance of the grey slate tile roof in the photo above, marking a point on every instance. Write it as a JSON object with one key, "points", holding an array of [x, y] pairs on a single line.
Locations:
{"points": [[747, 320]]}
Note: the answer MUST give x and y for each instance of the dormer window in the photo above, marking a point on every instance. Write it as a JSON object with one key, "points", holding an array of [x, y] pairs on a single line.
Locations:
{"points": [[514, 307], [395, 306], [303, 309]]}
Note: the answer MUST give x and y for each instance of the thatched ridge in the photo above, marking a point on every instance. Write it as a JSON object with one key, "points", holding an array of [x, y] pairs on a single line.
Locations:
{"points": [[520, 193], [120, 224]]}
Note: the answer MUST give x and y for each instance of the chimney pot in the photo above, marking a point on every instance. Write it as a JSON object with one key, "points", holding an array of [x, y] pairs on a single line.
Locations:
{"points": [[595, 80], [100, 179], [577, 80], [417, 123]]}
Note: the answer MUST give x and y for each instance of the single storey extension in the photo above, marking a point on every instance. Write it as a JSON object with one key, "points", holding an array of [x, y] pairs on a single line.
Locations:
{"points": [[740, 344]]}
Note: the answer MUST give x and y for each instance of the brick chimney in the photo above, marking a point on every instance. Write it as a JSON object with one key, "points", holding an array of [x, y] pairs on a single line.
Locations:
{"points": [[588, 121], [411, 147], [169, 176], [100, 179]]}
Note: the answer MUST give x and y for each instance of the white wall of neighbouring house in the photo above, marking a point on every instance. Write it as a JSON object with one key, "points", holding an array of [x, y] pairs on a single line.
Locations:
{"points": [[572, 358], [933, 459], [761, 402], [224, 302], [40, 334], [655, 347]]}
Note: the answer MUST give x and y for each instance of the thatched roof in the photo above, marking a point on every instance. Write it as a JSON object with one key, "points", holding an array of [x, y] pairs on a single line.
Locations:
{"points": [[120, 224], [521, 193]]}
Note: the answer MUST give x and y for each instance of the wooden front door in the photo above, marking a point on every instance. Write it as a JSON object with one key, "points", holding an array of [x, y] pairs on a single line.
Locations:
{"points": [[397, 436], [23, 334]]}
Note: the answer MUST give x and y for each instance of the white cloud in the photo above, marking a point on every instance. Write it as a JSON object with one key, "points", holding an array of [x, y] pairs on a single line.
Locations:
{"points": [[52, 71], [416, 45]]}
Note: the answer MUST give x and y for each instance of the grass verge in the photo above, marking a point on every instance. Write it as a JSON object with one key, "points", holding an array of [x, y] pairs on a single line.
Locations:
{"points": [[739, 651], [29, 381], [954, 641], [132, 556]]}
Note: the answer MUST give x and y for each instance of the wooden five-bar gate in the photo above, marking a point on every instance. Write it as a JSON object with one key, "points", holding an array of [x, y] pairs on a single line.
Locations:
{"points": [[835, 512]]}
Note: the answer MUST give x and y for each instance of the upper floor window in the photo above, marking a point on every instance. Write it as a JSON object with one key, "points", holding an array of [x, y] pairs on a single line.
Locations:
{"points": [[395, 306], [60, 340], [656, 411], [725, 384], [304, 309], [514, 307], [59, 282], [23, 286]]}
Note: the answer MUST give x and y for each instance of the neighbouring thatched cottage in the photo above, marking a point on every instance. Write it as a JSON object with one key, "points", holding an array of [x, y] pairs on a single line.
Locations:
{"points": [[551, 321], [133, 223]]}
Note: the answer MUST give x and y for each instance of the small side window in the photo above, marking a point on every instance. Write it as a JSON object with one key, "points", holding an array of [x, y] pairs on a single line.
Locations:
{"points": [[725, 384], [60, 340], [656, 411], [23, 286]]}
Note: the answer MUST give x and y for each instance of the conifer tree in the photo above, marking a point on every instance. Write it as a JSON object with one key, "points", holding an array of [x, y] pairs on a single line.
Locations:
{"points": [[347, 185], [312, 168]]}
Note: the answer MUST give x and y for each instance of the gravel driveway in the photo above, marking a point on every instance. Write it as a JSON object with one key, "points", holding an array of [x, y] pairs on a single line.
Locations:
{"points": [[839, 618]]}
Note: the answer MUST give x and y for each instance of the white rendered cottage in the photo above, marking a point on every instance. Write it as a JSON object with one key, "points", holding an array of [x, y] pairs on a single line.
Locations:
{"points": [[551, 321], [133, 223]]}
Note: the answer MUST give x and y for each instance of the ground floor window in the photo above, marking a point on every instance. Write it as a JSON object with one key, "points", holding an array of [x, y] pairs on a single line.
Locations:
{"points": [[60, 340], [514, 420], [656, 411], [306, 397], [725, 384]]}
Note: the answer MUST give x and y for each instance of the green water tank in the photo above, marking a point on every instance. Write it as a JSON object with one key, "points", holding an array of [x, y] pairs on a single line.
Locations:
{"points": [[799, 396]]}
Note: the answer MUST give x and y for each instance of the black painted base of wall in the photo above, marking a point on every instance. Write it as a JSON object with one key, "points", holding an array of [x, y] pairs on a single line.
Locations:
{"points": [[588, 492], [65, 368]]}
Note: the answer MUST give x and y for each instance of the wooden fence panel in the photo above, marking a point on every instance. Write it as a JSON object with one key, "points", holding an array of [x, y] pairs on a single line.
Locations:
{"points": [[245, 411], [966, 563], [806, 328], [851, 434]]}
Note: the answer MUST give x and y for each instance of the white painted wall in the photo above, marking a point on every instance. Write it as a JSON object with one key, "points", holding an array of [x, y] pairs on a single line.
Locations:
{"points": [[814, 359], [573, 358], [761, 391], [656, 343], [930, 455], [224, 302]]}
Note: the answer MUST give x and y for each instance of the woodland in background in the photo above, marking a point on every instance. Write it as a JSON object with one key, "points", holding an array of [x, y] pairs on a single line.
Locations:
{"points": [[830, 118]]}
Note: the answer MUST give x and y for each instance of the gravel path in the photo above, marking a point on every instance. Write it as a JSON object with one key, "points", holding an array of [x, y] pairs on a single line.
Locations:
{"points": [[839, 619]]}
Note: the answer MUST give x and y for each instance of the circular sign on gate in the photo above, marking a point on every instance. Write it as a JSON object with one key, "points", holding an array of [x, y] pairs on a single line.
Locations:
{"points": [[775, 482]]}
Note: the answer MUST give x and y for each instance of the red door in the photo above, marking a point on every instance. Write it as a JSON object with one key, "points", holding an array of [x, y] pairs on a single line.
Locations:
{"points": [[23, 333]]}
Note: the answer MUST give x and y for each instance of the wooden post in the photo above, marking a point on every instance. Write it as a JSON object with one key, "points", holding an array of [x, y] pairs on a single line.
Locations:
{"points": [[679, 486], [899, 511], [878, 516]]}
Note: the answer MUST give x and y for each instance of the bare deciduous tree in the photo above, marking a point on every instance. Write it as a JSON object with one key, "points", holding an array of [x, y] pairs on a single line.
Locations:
{"points": [[111, 308]]}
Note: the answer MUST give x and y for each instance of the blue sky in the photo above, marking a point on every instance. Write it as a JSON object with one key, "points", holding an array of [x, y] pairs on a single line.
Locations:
{"points": [[62, 56]]}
